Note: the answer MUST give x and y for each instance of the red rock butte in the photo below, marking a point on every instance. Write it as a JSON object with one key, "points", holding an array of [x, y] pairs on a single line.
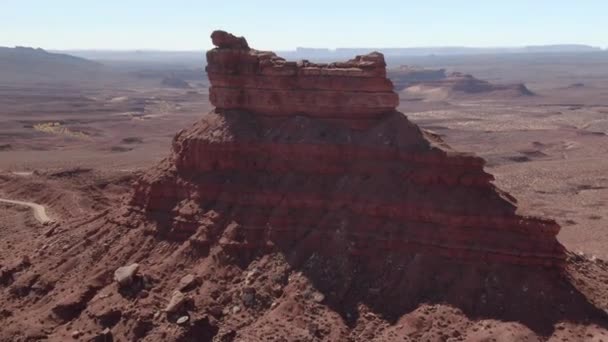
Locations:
{"points": [[272, 169], [264, 83]]}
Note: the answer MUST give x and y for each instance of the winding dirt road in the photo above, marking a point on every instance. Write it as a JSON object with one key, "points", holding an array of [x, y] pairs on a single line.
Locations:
{"points": [[38, 210]]}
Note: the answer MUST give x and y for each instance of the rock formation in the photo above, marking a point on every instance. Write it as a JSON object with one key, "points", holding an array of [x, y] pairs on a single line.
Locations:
{"points": [[271, 168], [263, 83], [406, 76], [456, 85]]}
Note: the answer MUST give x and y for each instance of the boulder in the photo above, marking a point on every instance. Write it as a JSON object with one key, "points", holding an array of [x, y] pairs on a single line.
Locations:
{"points": [[178, 299], [124, 275]]}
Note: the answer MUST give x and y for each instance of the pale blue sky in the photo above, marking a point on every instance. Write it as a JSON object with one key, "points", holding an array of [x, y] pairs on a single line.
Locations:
{"points": [[280, 25]]}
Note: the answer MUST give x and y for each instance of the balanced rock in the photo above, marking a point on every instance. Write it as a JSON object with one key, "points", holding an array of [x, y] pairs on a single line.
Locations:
{"points": [[225, 40], [314, 159]]}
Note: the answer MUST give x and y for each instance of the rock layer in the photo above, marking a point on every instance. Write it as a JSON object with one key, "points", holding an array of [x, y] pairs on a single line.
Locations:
{"points": [[267, 171], [266, 84]]}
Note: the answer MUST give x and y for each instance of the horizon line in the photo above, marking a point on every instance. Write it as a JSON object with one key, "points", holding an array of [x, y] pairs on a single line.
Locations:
{"points": [[330, 49]]}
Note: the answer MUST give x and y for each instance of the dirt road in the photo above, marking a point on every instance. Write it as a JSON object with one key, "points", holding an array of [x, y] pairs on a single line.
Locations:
{"points": [[38, 210]]}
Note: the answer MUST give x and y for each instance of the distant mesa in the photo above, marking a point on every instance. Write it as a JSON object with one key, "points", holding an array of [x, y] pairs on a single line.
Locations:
{"points": [[175, 82], [406, 76], [438, 85]]}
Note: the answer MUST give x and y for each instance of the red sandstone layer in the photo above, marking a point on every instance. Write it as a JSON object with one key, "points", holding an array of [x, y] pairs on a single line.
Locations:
{"points": [[299, 181], [263, 83]]}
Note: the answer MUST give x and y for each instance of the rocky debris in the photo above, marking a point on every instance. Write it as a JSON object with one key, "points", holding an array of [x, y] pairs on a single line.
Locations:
{"points": [[178, 299], [188, 282], [104, 336], [248, 296], [174, 82], [70, 306], [318, 297], [22, 285], [251, 276], [125, 275], [7, 273], [406, 76], [4, 313], [109, 316], [201, 329]]}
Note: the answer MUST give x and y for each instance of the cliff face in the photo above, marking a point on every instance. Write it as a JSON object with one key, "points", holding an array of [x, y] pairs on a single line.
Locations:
{"points": [[263, 83], [271, 169]]}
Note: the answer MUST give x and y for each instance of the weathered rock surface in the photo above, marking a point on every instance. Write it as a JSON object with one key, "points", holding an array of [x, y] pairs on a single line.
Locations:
{"points": [[266, 84], [256, 175], [177, 301], [406, 76], [124, 275]]}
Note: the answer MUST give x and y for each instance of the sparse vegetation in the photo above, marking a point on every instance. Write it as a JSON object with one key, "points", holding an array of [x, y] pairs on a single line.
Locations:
{"points": [[59, 129]]}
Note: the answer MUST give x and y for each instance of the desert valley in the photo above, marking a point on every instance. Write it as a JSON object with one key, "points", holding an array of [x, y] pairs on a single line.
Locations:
{"points": [[241, 196]]}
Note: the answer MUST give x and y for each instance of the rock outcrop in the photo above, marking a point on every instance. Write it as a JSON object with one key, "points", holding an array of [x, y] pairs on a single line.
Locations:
{"points": [[470, 85], [266, 84], [270, 169], [457, 85]]}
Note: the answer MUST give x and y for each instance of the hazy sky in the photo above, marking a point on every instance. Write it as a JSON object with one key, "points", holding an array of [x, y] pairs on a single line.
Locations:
{"points": [[280, 25]]}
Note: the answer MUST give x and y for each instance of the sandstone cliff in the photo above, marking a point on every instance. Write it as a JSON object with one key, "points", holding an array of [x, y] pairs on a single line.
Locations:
{"points": [[276, 170]]}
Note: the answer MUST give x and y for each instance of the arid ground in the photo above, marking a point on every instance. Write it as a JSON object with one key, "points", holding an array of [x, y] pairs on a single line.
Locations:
{"points": [[74, 146]]}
